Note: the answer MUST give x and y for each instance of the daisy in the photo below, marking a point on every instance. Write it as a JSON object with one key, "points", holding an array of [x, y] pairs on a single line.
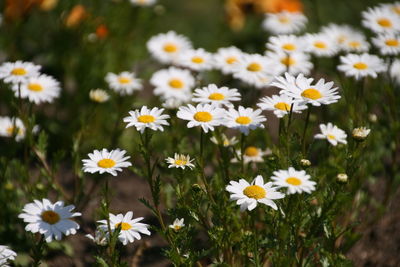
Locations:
{"points": [[284, 22], [19, 71], [6, 254], [395, 71], [173, 83], [356, 43], [249, 195], [295, 181], [361, 133], [143, 2], [321, 45], [211, 94], [254, 69], [130, 228], [226, 57], [346, 37], [180, 161], [293, 63], [197, 60], [51, 220], [99, 95], [178, 224], [204, 115], [147, 118], [392, 7], [303, 91], [99, 238], [332, 133], [244, 119], [280, 105], [167, 47], [124, 83], [104, 161], [38, 89], [388, 44], [286, 43], [251, 154], [10, 127], [359, 66], [225, 141], [380, 20]]}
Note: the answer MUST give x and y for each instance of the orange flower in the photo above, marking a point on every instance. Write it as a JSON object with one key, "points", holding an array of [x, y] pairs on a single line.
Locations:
{"points": [[275, 6], [76, 16], [102, 31]]}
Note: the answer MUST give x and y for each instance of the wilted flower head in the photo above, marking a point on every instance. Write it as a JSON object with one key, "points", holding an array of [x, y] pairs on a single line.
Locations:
{"points": [[99, 95], [361, 133]]}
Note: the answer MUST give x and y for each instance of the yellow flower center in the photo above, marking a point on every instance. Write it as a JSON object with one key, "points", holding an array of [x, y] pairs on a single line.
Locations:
{"points": [[330, 136], [50, 217], [392, 42], [282, 106], [255, 191], [180, 162], [354, 44], [124, 80], [243, 120], [10, 130], [170, 48], [283, 19], [231, 60], [176, 84], [384, 23], [311, 93], [146, 119], [203, 116], [177, 227], [320, 45], [251, 151], [289, 47], [124, 226], [106, 163], [18, 71], [254, 67], [396, 9], [288, 61], [197, 60], [35, 87], [293, 181], [360, 66], [216, 96]]}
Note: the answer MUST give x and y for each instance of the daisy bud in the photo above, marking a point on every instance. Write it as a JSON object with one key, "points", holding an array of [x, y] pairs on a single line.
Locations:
{"points": [[372, 117], [361, 133], [342, 178], [305, 163]]}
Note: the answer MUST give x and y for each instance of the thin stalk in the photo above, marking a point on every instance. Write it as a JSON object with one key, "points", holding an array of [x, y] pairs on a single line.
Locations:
{"points": [[201, 165], [303, 139]]}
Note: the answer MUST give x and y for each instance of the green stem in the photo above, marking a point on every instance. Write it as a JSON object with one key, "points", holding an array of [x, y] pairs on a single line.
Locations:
{"points": [[303, 139]]}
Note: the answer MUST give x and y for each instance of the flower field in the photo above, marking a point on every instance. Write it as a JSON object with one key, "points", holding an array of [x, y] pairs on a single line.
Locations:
{"points": [[199, 133]]}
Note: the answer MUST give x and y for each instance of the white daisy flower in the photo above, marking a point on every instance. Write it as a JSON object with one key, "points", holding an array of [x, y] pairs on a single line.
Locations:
{"points": [[50, 220], [124, 83], [359, 66], [177, 224], [284, 22], [130, 228], [346, 37], [38, 89], [392, 7], [254, 69], [104, 161], [226, 57], [10, 127], [99, 95], [303, 91], [19, 71], [197, 60], [252, 154], [204, 115], [357, 43], [147, 118], [180, 161], [211, 94], [167, 47], [360, 133], [388, 44], [380, 20], [6, 255], [225, 141], [321, 45], [173, 83], [293, 63], [143, 2], [244, 119], [280, 105], [295, 181], [395, 71], [332, 133], [286, 43], [99, 238], [249, 195]]}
